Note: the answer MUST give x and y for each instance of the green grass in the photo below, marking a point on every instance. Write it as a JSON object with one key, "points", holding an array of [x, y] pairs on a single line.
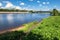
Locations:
{"points": [[49, 28], [28, 26]]}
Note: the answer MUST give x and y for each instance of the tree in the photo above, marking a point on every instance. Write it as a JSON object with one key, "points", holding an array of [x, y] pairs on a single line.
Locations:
{"points": [[55, 12], [31, 11]]}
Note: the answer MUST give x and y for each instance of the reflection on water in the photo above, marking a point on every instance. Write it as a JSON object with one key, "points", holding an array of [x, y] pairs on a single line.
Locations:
{"points": [[10, 18], [14, 20]]}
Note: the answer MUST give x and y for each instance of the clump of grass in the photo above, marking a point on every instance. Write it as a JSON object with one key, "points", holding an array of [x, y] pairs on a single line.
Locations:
{"points": [[29, 25]]}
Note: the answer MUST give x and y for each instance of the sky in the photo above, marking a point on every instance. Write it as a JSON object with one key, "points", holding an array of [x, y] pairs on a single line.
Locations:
{"points": [[30, 4]]}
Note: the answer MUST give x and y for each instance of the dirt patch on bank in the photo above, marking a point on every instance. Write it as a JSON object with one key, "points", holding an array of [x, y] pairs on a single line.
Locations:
{"points": [[12, 29]]}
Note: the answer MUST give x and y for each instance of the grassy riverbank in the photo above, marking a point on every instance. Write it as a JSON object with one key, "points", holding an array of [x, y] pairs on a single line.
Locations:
{"points": [[47, 29]]}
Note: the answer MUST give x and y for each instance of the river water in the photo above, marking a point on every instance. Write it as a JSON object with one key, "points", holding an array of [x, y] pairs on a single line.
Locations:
{"points": [[8, 21]]}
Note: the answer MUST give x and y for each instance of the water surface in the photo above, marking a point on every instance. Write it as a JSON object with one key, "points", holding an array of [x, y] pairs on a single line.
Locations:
{"points": [[8, 21]]}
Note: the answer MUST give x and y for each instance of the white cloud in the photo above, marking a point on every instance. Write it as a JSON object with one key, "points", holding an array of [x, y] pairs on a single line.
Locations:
{"points": [[44, 2], [17, 7], [45, 9], [38, 1], [25, 8], [0, 4], [9, 5], [22, 3], [2, 7]]}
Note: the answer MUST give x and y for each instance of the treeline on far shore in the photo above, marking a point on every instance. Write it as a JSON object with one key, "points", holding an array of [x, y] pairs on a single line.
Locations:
{"points": [[16, 10], [12, 10], [53, 12]]}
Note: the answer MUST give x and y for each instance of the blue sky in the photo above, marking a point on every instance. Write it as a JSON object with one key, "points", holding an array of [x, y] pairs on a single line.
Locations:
{"points": [[30, 4]]}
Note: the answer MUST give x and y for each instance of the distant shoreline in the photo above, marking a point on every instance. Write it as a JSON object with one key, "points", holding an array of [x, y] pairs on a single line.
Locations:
{"points": [[12, 12]]}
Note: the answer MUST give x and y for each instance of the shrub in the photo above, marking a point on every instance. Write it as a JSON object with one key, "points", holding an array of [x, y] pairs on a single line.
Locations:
{"points": [[55, 12]]}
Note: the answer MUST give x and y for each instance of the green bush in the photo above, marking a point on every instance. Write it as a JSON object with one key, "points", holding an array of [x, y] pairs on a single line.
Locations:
{"points": [[17, 35], [55, 12]]}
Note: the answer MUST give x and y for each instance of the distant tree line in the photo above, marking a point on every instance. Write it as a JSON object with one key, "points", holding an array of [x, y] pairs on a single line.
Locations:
{"points": [[12, 10], [55, 12]]}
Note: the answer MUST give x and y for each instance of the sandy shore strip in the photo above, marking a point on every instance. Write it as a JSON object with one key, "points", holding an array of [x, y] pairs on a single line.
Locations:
{"points": [[12, 29], [12, 12]]}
